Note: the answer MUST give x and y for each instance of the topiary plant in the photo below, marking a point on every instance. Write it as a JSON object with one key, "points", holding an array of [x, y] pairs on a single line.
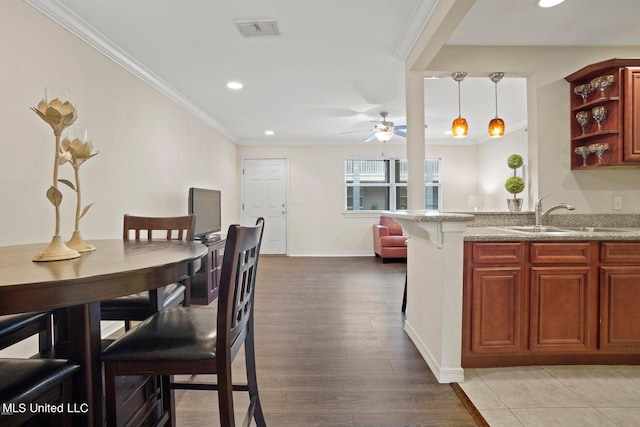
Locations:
{"points": [[515, 184]]}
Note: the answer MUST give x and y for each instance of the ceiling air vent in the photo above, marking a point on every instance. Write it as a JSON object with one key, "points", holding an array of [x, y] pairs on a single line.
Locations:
{"points": [[262, 27]]}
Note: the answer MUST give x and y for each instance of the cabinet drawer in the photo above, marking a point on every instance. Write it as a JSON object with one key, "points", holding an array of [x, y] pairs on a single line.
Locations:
{"points": [[491, 253], [560, 253], [620, 252]]}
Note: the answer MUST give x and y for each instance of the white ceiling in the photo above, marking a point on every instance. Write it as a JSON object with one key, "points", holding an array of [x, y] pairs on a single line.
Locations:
{"points": [[334, 66]]}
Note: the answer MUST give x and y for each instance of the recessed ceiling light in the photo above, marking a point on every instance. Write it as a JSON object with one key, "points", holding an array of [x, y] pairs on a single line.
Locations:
{"points": [[549, 3], [269, 132], [234, 85]]}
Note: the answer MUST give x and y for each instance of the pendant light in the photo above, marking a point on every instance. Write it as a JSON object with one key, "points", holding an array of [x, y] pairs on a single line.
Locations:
{"points": [[459, 127], [496, 126]]}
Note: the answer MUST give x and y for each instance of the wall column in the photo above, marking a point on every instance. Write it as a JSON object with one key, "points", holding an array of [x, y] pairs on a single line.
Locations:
{"points": [[414, 82]]}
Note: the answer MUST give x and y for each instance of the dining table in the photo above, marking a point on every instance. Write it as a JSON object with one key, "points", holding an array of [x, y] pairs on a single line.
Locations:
{"points": [[74, 288]]}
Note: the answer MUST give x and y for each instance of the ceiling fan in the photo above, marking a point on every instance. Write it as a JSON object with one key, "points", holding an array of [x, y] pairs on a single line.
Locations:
{"points": [[383, 129]]}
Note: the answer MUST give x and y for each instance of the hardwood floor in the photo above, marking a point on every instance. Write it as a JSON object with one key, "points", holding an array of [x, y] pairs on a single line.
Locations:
{"points": [[331, 351]]}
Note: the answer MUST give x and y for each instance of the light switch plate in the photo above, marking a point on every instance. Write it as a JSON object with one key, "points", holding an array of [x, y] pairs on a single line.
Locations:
{"points": [[617, 203]]}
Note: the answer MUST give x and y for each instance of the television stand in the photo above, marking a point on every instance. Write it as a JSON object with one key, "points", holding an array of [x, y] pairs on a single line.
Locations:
{"points": [[209, 238], [206, 281]]}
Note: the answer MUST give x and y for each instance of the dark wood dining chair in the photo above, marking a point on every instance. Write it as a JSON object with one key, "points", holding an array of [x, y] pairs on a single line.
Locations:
{"points": [[27, 382], [195, 340], [139, 306], [35, 379], [18, 327]]}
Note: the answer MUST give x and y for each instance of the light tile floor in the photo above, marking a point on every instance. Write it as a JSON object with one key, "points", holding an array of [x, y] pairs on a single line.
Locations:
{"points": [[556, 396]]}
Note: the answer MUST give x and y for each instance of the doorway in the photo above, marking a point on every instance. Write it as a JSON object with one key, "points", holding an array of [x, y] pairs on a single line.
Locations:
{"points": [[264, 194]]}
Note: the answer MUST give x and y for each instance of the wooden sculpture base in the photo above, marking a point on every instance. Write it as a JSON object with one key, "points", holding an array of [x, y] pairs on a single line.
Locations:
{"points": [[56, 251]]}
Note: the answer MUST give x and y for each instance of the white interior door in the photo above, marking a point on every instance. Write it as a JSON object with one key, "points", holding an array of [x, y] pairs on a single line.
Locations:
{"points": [[264, 194]]}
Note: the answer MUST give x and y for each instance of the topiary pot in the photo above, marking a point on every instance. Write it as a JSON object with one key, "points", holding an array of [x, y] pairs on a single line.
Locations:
{"points": [[514, 204]]}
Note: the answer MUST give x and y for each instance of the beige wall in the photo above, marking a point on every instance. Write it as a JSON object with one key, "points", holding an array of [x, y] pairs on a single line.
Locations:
{"points": [[151, 150], [548, 110], [318, 224]]}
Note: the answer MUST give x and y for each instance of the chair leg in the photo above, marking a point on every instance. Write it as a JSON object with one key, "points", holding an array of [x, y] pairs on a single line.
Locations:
{"points": [[187, 292], [225, 390], [252, 381], [404, 297], [113, 396], [168, 401]]}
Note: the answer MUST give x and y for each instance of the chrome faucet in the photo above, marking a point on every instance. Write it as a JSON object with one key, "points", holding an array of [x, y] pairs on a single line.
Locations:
{"points": [[541, 215]]}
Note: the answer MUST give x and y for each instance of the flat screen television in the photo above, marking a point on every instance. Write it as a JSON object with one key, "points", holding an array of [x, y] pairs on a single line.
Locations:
{"points": [[205, 204]]}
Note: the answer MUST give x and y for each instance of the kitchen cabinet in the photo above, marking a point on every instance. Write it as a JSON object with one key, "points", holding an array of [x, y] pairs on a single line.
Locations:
{"points": [[620, 297], [562, 297], [494, 299], [550, 302], [619, 130]]}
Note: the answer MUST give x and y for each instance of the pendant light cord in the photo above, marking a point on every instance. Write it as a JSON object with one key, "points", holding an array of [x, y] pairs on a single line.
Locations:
{"points": [[459, 112], [496, 87]]}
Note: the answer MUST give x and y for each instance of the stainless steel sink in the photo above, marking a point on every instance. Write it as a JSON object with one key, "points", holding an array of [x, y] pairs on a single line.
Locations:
{"points": [[547, 229], [596, 229]]}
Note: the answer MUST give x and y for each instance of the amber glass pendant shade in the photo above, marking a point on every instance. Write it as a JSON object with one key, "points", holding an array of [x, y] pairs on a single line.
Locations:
{"points": [[496, 128], [459, 127]]}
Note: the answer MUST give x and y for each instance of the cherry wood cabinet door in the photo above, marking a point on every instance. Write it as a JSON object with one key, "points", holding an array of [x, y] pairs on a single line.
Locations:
{"points": [[561, 309], [632, 114], [496, 302], [619, 308]]}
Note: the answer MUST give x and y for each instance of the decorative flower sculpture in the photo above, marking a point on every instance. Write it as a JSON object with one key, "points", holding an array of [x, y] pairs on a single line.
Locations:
{"points": [[58, 115], [76, 152]]}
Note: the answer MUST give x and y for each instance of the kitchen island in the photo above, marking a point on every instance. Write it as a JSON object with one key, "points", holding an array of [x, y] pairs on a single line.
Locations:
{"points": [[459, 314], [434, 288]]}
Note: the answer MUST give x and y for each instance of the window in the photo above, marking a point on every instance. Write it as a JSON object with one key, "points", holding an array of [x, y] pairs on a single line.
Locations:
{"points": [[382, 184]]}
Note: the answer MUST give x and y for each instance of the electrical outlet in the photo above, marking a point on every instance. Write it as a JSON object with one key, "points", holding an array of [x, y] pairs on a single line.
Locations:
{"points": [[617, 203]]}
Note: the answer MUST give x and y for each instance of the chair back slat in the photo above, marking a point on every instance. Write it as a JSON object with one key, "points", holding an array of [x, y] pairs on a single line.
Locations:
{"points": [[176, 227], [237, 284]]}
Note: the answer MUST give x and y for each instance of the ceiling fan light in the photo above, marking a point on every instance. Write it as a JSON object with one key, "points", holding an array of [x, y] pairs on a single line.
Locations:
{"points": [[384, 135], [459, 127], [496, 128]]}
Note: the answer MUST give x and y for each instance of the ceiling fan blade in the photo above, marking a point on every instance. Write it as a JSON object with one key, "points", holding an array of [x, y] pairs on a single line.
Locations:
{"points": [[404, 127], [355, 131], [371, 138], [400, 133]]}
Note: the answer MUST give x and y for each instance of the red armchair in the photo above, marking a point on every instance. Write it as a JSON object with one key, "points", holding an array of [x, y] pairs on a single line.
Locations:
{"points": [[388, 241]]}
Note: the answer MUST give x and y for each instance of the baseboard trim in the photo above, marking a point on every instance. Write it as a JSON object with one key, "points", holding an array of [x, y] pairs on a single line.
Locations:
{"points": [[332, 254], [443, 376]]}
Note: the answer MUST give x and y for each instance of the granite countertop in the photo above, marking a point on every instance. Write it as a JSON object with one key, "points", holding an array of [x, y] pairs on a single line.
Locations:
{"points": [[503, 226], [429, 216], [506, 235]]}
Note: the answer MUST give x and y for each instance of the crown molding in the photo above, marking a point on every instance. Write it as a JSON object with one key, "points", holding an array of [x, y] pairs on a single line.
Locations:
{"points": [[73, 23], [421, 15]]}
